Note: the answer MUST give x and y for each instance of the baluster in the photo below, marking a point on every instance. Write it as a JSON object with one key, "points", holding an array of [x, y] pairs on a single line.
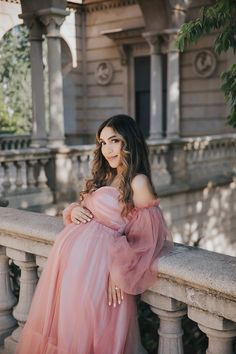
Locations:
{"points": [[219, 330], [41, 262], [31, 182], [28, 282], [7, 299], [161, 176], [42, 178], [83, 168], [19, 178], [6, 184], [170, 312]]}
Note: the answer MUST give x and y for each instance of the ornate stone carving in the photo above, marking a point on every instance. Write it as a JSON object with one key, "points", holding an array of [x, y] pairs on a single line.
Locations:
{"points": [[104, 73], [111, 4], [204, 63]]}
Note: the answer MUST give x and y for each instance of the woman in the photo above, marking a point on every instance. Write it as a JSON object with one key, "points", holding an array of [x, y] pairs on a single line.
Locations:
{"points": [[84, 302]]}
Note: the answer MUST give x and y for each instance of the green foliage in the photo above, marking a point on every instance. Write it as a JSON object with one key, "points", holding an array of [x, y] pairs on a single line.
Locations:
{"points": [[15, 82], [220, 17]]}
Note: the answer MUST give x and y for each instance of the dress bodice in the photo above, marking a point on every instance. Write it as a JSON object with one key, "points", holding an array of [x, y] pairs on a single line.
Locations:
{"points": [[106, 208]]}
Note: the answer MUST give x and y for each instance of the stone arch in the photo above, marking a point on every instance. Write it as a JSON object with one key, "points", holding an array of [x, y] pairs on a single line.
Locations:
{"points": [[9, 17], [16, 79]]}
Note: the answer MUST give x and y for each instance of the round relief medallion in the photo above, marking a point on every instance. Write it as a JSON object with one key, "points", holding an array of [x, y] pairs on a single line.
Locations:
{"points": [[104, 73], [205, 63]]}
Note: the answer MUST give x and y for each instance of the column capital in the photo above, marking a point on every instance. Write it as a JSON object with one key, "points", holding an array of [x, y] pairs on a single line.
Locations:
{"points": [[52, 19], [169, 37], [154, 40], [34, 26]]}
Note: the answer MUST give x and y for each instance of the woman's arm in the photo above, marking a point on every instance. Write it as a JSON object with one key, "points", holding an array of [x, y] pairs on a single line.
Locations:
{"points": [[143, 194]]}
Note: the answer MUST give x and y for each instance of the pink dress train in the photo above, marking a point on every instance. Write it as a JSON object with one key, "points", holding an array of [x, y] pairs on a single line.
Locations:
{"points": [[70, 313]]}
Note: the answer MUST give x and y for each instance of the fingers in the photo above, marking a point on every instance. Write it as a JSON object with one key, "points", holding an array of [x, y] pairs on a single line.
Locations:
{"points": [[114, 298], [109, 294], [80, 214], [115, 294]]}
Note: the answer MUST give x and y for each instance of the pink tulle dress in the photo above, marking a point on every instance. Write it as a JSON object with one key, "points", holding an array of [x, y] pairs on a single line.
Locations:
{"points": [[70, 312]]}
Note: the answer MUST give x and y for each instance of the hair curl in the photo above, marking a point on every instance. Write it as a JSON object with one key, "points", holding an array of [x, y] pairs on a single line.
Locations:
{"points": [[134, 160]]}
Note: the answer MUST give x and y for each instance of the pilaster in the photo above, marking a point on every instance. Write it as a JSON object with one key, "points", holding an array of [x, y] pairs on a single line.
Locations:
{"points": [[156, 109]]}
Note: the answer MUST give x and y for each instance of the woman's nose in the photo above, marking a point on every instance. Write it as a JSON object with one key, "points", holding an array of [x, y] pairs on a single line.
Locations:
{"points": [[109, 148]]}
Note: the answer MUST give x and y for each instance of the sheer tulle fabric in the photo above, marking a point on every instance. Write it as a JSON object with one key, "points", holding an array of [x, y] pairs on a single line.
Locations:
{"points": [[131, 255], [70, 312]]}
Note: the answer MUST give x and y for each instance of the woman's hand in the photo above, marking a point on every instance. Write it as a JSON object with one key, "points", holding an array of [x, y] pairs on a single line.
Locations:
{"points": [[115, 294], [80, 214]]}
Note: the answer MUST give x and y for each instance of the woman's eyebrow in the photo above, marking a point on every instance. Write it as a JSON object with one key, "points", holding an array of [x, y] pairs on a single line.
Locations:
{"points": [[110, 137]]}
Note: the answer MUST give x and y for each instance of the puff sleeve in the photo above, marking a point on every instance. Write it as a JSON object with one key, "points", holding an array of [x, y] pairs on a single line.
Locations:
{"points": [[66, 214], [131, 255]]}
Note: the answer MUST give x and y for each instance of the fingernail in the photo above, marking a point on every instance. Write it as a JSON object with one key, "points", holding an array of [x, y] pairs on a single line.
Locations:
{"points": [[122, 297], [109, 303], [84, 221], [119, 302], [114, 305]]}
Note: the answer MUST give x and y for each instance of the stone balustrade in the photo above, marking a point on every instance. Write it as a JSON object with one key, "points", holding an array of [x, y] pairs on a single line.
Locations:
{"points": [[22, 174], [191, 281], [208, 157], [13, 141], [183, 163]]}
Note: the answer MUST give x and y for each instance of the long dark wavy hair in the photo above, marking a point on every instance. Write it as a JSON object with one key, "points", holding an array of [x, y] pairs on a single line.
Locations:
{"points": [[134, 160]]}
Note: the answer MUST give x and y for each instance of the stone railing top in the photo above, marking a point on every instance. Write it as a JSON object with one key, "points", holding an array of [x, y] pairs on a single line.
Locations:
{"points": [[194, 267], [198, 268], [23, 153], [28, 225]]}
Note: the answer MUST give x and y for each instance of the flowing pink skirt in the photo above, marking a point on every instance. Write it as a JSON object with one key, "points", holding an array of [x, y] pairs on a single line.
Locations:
{"points": [[70, 312]]}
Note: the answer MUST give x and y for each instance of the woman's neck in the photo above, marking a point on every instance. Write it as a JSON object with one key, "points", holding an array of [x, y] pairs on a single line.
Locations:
{"points": [[116, 181]]}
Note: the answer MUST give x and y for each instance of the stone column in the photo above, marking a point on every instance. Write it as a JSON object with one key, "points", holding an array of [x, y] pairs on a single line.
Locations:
{"points": [[173, 89], [39, 135], [219, 330], [156, 124], [53, 19], [170, 312]]}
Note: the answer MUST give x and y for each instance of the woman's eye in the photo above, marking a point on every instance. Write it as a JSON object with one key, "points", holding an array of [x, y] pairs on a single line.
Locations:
{"points": [[102, 143], [114, 141]]}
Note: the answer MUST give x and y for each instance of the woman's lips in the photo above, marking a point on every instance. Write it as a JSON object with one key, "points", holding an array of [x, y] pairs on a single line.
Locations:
{"points": [[111, 158]]}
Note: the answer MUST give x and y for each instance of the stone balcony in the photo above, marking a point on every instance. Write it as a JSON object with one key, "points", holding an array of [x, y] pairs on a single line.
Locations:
{"points": [[47, 175], [191, 281]]}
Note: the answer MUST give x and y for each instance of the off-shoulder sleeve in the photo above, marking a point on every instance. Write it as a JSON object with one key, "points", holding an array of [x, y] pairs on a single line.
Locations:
{"points": [[66, 214], [132, 254]]}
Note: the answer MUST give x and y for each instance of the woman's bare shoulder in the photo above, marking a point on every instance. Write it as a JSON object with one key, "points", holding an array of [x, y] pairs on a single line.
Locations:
{"points": [[143, 193]]}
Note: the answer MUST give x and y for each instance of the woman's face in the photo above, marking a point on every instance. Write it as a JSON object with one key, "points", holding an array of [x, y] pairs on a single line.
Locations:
{"points": [[111, 143]]}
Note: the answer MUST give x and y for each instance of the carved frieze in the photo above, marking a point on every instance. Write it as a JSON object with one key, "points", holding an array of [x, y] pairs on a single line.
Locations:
{"points": [[109, 4]]}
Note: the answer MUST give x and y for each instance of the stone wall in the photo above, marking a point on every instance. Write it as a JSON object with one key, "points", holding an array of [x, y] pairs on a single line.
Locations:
{"points": [[204, 217], [106, 100], [203, 110]]}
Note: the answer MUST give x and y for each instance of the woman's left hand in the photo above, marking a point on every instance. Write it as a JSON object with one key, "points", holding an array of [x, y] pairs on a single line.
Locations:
{"points": [[115, 294]]}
